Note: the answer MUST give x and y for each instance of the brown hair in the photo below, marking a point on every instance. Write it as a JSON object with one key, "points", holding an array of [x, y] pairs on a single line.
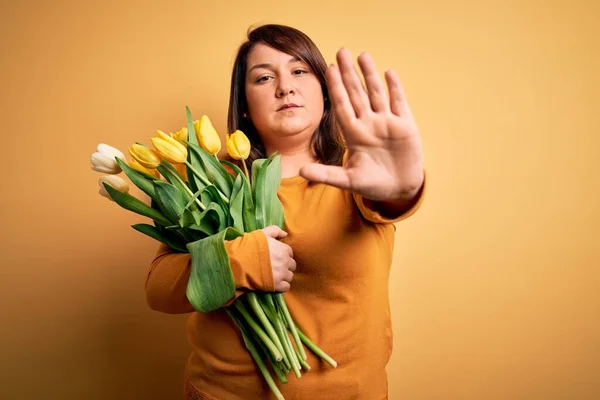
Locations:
{"points": [[327, 142]]}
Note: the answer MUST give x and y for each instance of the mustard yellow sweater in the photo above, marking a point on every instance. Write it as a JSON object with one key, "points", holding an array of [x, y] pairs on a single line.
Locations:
{"points": [[339, 298]]}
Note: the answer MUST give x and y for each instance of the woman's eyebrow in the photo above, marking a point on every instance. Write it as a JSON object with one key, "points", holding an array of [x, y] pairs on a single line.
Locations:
{"points": [[269, 66]]}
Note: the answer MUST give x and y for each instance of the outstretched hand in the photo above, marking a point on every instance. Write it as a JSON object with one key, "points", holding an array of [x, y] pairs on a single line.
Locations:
{"points": [[385, 158]]}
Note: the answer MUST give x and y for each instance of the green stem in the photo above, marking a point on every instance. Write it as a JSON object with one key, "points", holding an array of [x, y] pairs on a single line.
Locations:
{"points": [[206, 181], [281, 303], [258, 359], [261, 334], [245, 168], [260, 313], [288, 358], [301, 361], [316, 349], [294, 355], [304, 364], [276, 366]]}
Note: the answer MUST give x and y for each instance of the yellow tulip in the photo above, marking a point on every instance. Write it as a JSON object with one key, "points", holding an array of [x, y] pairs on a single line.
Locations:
{"points": [[114, 181], [133, 163], [238, 145], [145, 156], [207, 135], [104, 160], [180, 135], [169, 148]]}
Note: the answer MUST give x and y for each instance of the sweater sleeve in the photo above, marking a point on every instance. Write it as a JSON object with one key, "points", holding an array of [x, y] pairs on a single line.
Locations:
{"points": [[169, 272]]}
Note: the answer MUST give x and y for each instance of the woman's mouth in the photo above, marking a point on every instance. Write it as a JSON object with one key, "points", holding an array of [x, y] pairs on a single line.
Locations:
{"points": [[288, 106]]}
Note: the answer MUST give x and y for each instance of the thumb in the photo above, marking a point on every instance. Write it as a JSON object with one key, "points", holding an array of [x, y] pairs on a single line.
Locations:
{"points": [[330, 175], [275, 232]]}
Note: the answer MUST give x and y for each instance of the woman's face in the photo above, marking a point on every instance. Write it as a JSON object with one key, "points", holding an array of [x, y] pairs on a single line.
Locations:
{"points": [[275, 80]]}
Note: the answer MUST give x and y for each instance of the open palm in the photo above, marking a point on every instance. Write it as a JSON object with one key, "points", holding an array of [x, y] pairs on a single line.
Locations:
{"points": [[384, 156]]}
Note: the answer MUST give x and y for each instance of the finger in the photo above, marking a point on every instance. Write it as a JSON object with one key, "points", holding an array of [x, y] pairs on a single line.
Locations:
{"points": [[398, 103], [375, 88], [293, 265], [275, 232], [330, 175], [282, 286], [340, 101], [353, 84], [289, 276], [290, 251]]}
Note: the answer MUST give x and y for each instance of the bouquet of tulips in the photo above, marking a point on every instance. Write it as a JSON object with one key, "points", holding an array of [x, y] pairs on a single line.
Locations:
{"points": [[196, 205]]}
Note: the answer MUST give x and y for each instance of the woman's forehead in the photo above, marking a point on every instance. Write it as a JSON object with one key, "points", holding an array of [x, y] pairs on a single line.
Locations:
{"points": [[262, 55]]}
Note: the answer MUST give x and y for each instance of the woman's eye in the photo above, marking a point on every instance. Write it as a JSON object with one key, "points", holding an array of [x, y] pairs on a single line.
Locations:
{"points": [[300, 72], [263, 79]]}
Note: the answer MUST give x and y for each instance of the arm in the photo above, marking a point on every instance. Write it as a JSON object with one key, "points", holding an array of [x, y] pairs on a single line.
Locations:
{"points": [[169, 272]]}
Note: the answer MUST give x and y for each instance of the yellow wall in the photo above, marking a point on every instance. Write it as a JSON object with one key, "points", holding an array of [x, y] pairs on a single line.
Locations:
{"points": [[495, 281]]}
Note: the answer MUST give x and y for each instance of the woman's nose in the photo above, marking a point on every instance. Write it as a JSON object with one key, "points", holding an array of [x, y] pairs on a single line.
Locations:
{"points": [[284, 88]]}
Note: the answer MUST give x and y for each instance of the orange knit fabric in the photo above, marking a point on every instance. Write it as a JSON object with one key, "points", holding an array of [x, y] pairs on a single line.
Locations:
{"points": [[339, 298]]}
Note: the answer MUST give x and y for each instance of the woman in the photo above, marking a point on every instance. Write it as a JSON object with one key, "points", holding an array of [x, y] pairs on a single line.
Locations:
{"points": [[338, 237]]}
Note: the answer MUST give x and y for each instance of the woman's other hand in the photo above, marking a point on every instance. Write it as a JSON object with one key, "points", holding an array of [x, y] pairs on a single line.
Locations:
{"points": [[283, 264], [385, 157]]}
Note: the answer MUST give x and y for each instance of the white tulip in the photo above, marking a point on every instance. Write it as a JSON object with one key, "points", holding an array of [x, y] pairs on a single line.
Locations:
{"points": [[114, 181], [104, 159]]}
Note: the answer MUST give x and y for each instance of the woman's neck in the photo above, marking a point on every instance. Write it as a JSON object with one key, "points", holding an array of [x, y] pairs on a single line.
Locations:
{"points": [[292, 160]]}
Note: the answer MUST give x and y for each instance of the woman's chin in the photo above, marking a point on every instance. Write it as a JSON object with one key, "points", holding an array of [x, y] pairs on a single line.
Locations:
{"points": [[293, 127]]}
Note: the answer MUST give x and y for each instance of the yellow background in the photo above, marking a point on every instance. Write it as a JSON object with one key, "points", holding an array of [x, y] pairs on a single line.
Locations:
{"points": [[495, 281]]}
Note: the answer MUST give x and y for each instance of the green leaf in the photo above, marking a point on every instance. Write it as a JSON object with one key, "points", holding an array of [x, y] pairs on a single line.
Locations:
{"points": [[255, 168], [273, 181], [248, 213], [210, 194], [174, 240], [237, 204], [266, 175], [139, 179], [211, 281], [217, 174], [188, 218], [150, 230], [130, 203], [258, 185], [212, 220], [170, 199], [193, 159], [173, 177]]}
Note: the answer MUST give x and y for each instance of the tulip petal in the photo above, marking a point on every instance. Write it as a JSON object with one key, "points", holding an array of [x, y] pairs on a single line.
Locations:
{"points": [[115, 181], [104, 193], [145, 156], [102, 163], [109, 151]]}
